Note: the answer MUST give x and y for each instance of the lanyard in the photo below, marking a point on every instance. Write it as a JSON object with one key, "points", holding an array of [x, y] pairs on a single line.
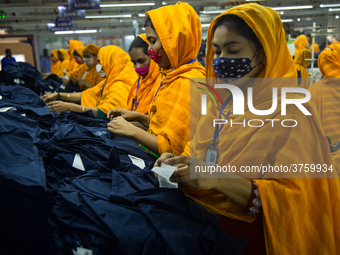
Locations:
{"points": [[217, 129], [135, 101], [191, 61]]}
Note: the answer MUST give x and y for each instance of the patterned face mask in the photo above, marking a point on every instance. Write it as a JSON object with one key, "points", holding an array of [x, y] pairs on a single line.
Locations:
{"points": [[100, 71], [155, 56], [233, 67]]}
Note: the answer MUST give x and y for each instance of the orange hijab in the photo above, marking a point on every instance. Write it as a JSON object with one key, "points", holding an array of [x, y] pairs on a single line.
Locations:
{"points": [[146, 87], [299, 215], [325, 93], [301, 64], [74, 44], [300, 43], [55, 65], [65, 63], [112, 92], [179, 29], [329, 61]]}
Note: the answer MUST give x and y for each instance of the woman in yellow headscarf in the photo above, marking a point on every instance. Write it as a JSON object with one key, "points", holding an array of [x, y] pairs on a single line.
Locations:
{"points": [[142, 92], [86, 75], [300, 44], [73, 45], [280, 212], [115, 65], [64, 58], [174, 45], [301, 65], [55, 62], [326, 92]]}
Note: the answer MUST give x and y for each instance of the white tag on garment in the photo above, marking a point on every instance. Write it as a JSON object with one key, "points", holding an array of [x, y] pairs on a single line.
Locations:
{"points": [[5, 109], [78, 163], [164, 173], [62, 86], [137, 161], [82, 251], [17, 81]]}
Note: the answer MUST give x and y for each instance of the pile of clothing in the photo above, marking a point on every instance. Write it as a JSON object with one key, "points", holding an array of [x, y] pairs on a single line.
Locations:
{"points": [[24, 74], [66, 182]]}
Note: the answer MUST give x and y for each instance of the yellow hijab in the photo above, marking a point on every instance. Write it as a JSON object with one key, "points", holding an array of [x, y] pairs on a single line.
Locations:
{"points": [[112, 92], [179, 29], [146, 88], [55, 65], [300, 44], [65, 63], [74, 44], [299, 215], [329, 61]]}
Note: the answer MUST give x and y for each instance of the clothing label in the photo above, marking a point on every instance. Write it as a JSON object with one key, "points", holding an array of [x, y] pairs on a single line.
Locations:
{"points": [[164, 173], [137, 161], [82, 251], [5, 109], [17, 81], [78, 163], [62, 86]]}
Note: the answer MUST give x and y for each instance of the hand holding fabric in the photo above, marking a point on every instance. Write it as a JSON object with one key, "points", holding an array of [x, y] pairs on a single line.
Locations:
{"points": [[59, 106], [182, 174], [49, 97], [162, 158], [120, 126], [127, 115]]}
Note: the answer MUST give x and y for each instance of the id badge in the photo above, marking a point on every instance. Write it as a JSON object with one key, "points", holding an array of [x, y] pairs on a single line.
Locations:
{"points": [[212, 155]]}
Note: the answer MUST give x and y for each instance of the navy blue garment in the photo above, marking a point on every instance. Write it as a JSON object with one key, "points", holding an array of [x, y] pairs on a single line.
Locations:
{"points": [[23, 99], [127, 207], [25, 204]]}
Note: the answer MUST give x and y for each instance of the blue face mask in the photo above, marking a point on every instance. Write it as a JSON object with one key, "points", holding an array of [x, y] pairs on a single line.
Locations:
{"points": [[233, 68]]}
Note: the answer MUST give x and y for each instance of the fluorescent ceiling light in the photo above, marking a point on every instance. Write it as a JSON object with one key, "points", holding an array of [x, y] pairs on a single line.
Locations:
{"points": [[292, 7], [329, 5], [164, 3], [213, 12], [63, 32], [337, 16], [334, 10], [287, 20], [143, 28], [141, 15], [205, 25], [282, 12], [298, 19], [108, 16], [127, 5], [85, 31], [51, 24]]}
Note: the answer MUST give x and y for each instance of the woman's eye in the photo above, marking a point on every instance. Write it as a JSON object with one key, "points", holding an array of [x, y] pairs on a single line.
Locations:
{"points": [[233, 52], [217, 52]]}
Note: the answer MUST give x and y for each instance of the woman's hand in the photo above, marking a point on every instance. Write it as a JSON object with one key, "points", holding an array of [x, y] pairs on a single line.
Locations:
{"points": [[59, 106], [182, 174], [49, 97], [65, 81], [127, 115], [162, 158], [120, 126]]}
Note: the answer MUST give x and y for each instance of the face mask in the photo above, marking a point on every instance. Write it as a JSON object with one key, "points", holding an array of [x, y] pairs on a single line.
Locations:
{"points": [[100, 71], [78, 61], [233, 67], [155, 56], [89, 61], [142, 71]]}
